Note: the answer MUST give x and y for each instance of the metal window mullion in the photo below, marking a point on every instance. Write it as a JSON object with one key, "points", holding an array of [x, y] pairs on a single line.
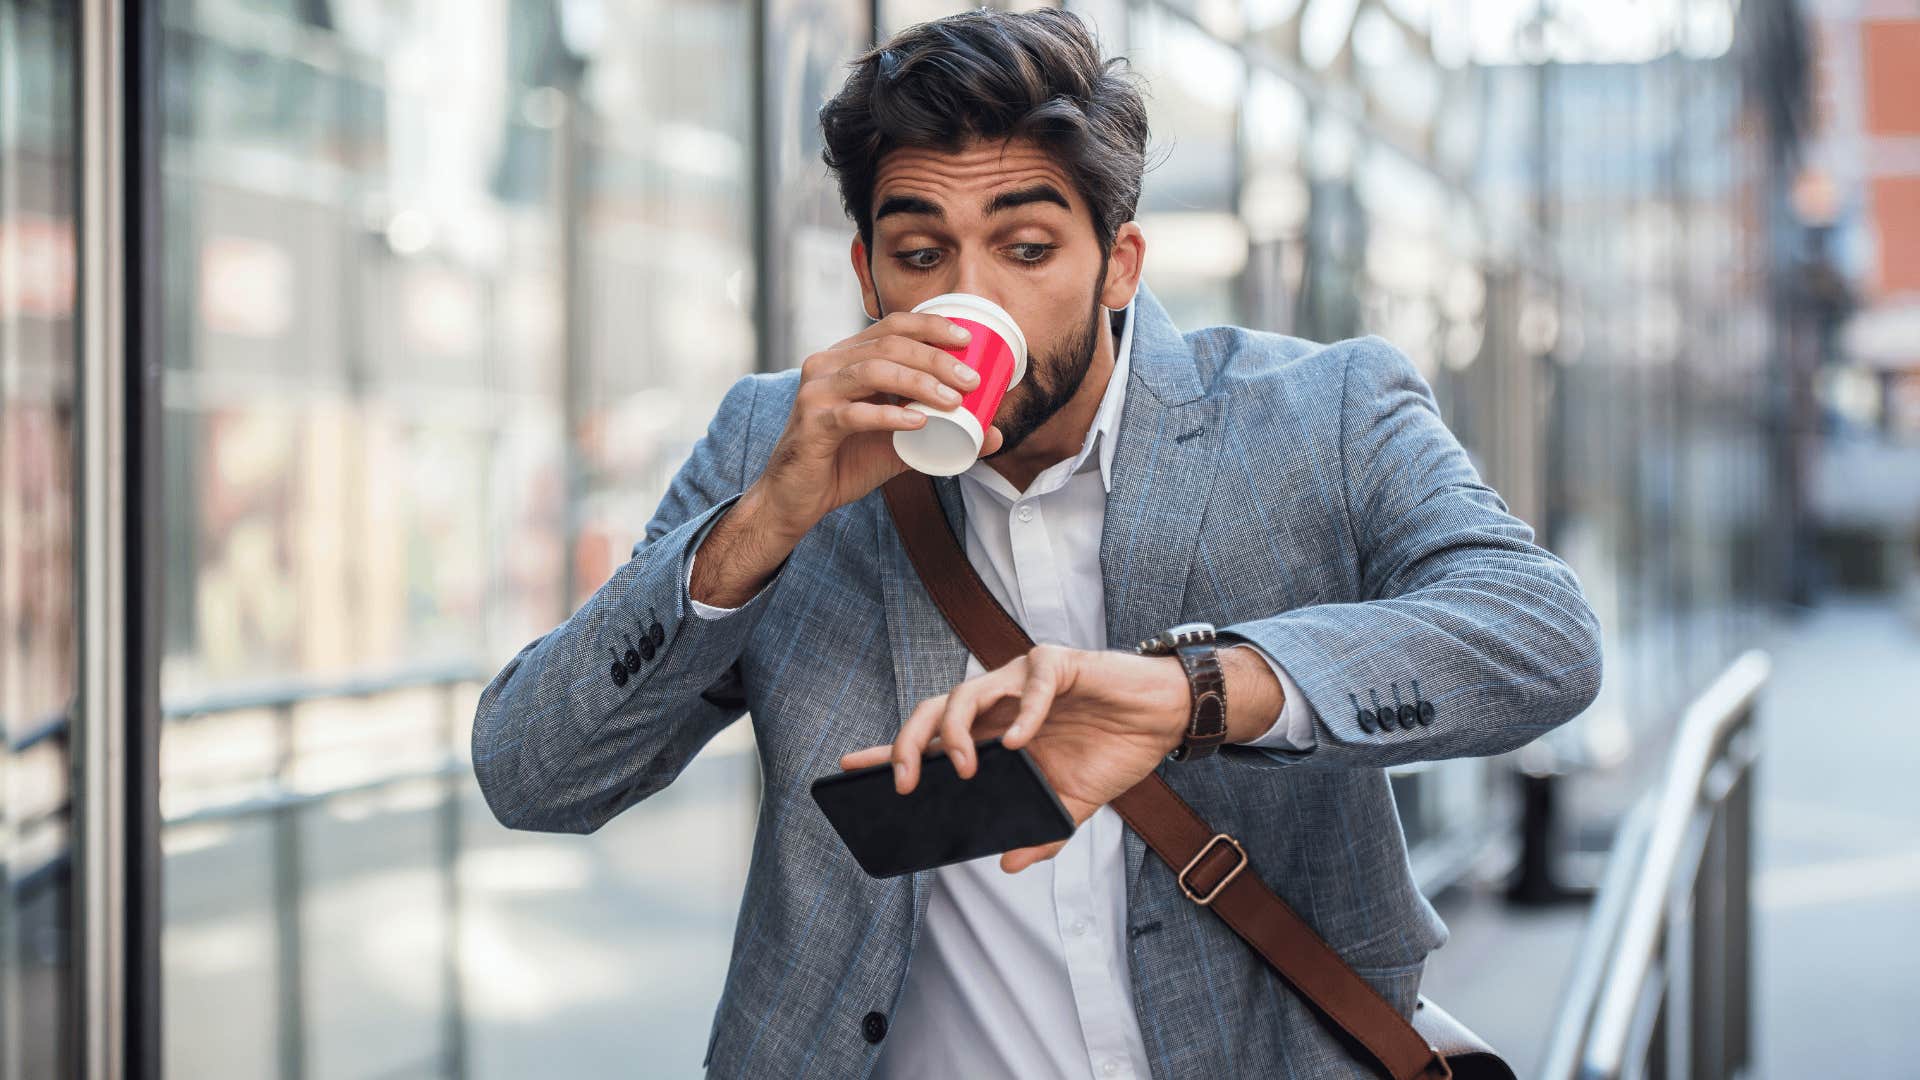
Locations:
{"points": [[99, 723]]}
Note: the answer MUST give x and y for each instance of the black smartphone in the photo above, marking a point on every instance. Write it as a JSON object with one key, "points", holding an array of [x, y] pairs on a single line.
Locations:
{"points": [[1006, 804]]}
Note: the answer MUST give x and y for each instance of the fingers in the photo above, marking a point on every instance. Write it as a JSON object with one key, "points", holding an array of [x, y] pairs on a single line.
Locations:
{"points": [[902, 371], [922, 325], [902, 365], [1043, 669], [880, 754], [911, 742], [950, 719], [1020, 858], [860, 759], [853, 416]]}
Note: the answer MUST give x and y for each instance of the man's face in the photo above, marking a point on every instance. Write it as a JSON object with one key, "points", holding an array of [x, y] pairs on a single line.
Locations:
{"points": [[1004, 222]]}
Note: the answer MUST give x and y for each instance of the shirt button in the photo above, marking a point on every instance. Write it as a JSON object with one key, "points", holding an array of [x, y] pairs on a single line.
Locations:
{"points": [[1110, 1067], [1078, 926], [1026, 513]]}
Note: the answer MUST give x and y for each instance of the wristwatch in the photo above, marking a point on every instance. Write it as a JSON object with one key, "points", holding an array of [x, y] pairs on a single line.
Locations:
{"points": [[1194, 643]]}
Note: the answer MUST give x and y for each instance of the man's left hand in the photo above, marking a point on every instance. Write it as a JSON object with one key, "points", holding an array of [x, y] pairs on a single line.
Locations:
{"points": [[1096, 723]]}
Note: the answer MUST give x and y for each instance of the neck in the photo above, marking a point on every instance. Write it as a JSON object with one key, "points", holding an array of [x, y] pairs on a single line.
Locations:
{"points": [[1065, 432]]}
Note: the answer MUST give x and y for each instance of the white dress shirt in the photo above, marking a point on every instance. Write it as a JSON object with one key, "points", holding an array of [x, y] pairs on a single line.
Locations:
{"points": [[1026, 974]]}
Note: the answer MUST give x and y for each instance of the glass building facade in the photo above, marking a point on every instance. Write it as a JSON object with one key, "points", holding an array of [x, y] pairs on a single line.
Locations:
{"points": [[445, 292], [39, 516]]}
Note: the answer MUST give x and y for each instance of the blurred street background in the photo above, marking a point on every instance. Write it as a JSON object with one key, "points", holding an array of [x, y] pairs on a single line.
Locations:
{"points": [[347, 345]]}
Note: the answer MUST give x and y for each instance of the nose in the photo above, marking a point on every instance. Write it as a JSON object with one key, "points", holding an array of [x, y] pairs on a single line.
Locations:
{"points": [[971, 275]]}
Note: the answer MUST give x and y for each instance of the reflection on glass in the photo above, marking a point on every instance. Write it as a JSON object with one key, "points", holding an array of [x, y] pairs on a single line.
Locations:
{"points": [[815, 299], [451, 292], [1188, 202], [39, 661]]}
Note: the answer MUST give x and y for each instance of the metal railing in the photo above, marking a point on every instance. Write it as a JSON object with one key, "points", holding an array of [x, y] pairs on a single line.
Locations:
{"points": [[1663, 983], [283, 802]]}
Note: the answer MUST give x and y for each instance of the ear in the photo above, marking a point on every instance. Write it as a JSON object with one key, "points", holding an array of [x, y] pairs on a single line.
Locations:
{"points": [[1124, 265], [869, 296]]}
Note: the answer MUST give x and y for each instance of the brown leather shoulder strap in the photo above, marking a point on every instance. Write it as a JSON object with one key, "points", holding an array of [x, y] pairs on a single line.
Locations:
{"points": [[1208, 866]]}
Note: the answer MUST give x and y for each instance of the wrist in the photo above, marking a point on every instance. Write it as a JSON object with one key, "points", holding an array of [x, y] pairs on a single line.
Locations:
{"points": [[756, 511], [1176, 711], [741, 553], [1254, 694]]}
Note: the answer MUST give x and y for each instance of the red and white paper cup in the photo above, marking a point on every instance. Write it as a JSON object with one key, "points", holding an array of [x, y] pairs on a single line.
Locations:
{"points": [[949, 442]]}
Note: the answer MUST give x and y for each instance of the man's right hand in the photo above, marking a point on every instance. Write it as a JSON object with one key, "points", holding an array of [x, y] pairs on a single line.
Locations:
{"points": [[838, 442]]}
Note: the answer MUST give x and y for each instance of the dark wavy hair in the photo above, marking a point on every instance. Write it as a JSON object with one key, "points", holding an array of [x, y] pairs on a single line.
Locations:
{"points": [[992, 75]]}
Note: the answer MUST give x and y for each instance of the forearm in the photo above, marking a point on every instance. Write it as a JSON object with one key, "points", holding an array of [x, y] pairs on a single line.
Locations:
{"points": [[1498, 654], [605, 709], [740, 554]]}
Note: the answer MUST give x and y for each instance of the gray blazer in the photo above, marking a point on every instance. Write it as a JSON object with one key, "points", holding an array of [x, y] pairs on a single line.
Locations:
{"points": [[1303, 496]]}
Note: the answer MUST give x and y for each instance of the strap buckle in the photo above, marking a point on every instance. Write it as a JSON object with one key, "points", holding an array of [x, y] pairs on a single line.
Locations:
{"points": [[1203, 901]]}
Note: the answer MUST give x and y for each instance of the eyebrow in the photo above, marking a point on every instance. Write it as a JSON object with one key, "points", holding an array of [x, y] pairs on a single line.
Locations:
{"points": [[1006, 200]]}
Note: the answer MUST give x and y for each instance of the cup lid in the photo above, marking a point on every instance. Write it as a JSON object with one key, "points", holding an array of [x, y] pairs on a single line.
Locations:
{"points": [[981, 309]]}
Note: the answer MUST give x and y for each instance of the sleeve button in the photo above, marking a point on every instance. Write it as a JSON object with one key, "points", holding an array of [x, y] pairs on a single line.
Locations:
{"points": [[1407, 713], [1365, 717], [1426, 712], [619, 673]]}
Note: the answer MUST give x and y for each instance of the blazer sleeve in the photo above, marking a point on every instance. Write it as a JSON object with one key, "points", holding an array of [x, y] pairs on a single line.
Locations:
{"points": [[562, 744], [1467, 639]]}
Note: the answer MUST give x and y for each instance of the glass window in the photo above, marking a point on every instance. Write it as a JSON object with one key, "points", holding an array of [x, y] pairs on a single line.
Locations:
{"points": [[815, 298], [1274, 198], [39, 658], [1189, 202], [450, 295]]}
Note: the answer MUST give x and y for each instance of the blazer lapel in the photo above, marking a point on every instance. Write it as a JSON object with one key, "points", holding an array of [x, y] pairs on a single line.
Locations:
{"points": [[1169, 447]]}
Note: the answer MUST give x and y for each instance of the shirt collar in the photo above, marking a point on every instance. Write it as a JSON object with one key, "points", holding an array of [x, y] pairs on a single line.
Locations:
{"points": [[1106, 421]]}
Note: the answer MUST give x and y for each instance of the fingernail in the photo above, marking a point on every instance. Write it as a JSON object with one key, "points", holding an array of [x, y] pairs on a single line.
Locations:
{"points": [[965, 374], [958, 332], [899, 772], [948, 393]]}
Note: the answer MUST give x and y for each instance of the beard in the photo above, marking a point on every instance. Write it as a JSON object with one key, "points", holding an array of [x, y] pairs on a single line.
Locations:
{"points": [[1052, 380]]}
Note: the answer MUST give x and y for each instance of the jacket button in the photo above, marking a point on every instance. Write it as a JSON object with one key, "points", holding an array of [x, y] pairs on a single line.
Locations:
{"points": [[1407, 713], [619, 673], [874, 1026], [1426, 711], [646, 647], [657, 634], [632, 660], [1365, 717]]}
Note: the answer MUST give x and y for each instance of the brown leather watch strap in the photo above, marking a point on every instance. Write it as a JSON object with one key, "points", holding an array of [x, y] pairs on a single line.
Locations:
{"points": [[1210, 867], [1204, 676]]}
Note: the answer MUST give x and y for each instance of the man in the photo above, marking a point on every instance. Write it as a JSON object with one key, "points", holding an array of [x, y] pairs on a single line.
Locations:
{"points": [[1375, 604]]}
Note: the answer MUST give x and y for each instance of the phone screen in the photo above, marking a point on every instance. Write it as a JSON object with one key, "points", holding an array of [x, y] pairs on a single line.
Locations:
{"points": [[1006, 804]]}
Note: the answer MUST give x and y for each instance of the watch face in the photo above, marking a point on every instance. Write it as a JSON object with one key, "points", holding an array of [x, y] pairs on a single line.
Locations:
{"points": [[1172, 638]]}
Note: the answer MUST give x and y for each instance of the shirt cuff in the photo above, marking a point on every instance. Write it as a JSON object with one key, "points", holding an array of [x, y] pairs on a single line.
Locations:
{"points": [[1293, 728], [708, 611]]}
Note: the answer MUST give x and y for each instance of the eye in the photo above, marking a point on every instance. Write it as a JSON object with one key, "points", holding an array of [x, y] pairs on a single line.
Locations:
{"points": [[912, 259], [1028, 254]]}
